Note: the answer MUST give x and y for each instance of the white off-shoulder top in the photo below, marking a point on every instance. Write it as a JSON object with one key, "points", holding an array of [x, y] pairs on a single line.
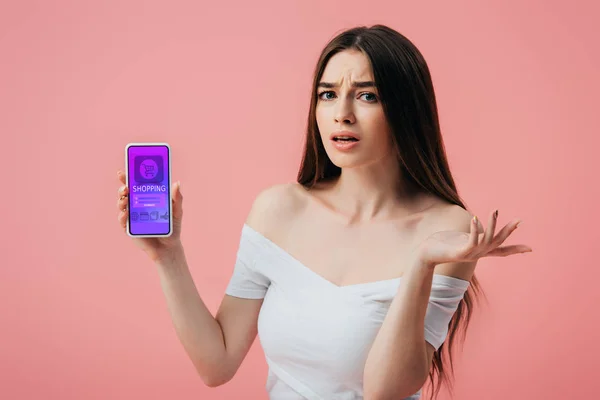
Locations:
{"points": [[316, 335]]}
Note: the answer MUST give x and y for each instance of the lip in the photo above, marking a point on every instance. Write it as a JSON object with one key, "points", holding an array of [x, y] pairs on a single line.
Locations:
{"points": [[344, 146], [344, 133]]}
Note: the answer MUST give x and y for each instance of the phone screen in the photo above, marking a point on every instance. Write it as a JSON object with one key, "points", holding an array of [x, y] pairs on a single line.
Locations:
{"points": [[148, 179]]}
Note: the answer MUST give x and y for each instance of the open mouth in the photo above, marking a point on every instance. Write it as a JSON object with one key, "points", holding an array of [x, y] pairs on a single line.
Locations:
{"points": [[345, 139]]}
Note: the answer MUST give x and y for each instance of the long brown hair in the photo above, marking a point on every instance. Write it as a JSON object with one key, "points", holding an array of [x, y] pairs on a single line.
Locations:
{"points": [[406, 93]]}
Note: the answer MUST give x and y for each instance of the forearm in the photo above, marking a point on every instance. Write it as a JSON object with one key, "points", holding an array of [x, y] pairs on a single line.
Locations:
{"points": [[397, 364], [199, 332]]}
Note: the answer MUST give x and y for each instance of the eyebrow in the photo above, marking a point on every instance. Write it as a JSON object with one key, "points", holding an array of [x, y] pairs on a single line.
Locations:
{"points": [[364, 84]]}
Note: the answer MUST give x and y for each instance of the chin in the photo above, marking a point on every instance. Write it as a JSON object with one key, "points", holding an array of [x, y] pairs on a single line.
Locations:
{"points": [[346, 160]]}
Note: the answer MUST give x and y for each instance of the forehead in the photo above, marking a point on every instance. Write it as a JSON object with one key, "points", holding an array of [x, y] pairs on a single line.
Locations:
{"points": [[352, 65]]}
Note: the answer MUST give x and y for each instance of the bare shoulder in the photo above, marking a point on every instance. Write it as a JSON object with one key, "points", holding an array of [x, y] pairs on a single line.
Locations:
{"points": [[276, 203], [446, 216]]}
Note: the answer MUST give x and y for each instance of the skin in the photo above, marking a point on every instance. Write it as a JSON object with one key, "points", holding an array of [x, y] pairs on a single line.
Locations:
{"points": [[392, 228]]}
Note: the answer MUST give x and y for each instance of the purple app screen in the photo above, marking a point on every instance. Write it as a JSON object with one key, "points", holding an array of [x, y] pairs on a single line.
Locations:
{"points": [[149, 194]]}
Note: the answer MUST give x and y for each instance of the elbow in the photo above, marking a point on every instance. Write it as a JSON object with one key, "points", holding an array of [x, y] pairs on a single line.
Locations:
{"points": [[212, 382], [214, 376]]}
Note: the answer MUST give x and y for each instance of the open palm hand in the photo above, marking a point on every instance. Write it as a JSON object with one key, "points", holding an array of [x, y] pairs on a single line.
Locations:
{"points": [[454, 246]]}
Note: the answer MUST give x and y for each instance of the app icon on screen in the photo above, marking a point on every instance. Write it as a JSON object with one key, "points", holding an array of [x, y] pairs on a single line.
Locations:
{"points": [[148, 169]]}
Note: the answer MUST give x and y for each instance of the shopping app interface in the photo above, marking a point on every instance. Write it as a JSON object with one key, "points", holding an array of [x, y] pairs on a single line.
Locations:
{"points": [[148, 189]]}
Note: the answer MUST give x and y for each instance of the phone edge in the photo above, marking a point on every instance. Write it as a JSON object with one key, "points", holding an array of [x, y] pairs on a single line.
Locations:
{"points": [[170, 194]]}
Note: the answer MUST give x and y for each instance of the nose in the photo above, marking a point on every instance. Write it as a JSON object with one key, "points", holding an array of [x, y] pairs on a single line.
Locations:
{"points": [[344, 113]]}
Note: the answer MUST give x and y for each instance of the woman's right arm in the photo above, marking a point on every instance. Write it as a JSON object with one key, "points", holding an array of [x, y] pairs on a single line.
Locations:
{"points": [[215, 345]]}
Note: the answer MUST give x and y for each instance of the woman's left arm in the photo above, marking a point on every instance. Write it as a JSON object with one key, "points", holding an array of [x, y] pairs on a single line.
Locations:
{"points": [[400, 359]]}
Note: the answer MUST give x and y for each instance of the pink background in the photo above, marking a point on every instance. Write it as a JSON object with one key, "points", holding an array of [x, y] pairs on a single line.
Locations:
{"points": [[227, 85]]}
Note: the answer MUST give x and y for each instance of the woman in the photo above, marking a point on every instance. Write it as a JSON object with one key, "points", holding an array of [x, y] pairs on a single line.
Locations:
{"points": [[354, 276]]}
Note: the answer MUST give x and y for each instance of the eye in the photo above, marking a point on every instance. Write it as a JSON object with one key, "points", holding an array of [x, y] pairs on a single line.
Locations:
{"points": [[326, 92], [329, 95], [372, 97]]}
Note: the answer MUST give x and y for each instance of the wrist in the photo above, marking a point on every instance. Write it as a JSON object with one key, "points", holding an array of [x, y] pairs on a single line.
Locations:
{"points": [[418, 276], [421, 263], [170, 257]]}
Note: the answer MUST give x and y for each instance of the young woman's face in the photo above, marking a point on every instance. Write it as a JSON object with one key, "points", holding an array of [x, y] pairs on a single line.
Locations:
{"points": [[348, 105]]}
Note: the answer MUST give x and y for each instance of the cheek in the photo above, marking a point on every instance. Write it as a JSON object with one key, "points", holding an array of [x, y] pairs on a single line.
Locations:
{"points": [[375, 118], [376, 123], [322, 121], [321, 114], [380, 129]]}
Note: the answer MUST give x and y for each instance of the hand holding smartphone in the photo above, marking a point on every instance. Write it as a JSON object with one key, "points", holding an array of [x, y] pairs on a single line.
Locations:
{"points": [[148, 179], [150, 206]]}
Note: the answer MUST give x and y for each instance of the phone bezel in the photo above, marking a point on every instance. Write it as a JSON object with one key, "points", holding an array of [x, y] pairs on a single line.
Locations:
{"points": [[170, 199]]}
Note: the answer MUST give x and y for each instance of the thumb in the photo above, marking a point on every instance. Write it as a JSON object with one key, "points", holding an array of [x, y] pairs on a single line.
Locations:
{"points": [[177, 200]]}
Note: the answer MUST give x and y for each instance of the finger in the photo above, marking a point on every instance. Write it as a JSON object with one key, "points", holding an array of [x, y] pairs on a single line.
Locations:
{"points": [[122, 218], [474, 236], [509, 250], [480, 229], [122, 203], [177, 200], [123, 194], [489, 234], [505, 233], [121, 176], [123, 191]]}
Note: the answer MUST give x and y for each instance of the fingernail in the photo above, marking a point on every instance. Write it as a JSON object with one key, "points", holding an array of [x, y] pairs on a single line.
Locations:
{"points": [[496, 214], [475, 219], [518, 223], [179, 184]]}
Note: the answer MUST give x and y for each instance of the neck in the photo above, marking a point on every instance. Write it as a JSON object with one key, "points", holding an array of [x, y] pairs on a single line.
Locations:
{"points": [[372, 192]]}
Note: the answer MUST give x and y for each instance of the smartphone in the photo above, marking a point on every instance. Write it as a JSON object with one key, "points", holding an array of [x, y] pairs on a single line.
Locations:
{"points": [[148, 178]]}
